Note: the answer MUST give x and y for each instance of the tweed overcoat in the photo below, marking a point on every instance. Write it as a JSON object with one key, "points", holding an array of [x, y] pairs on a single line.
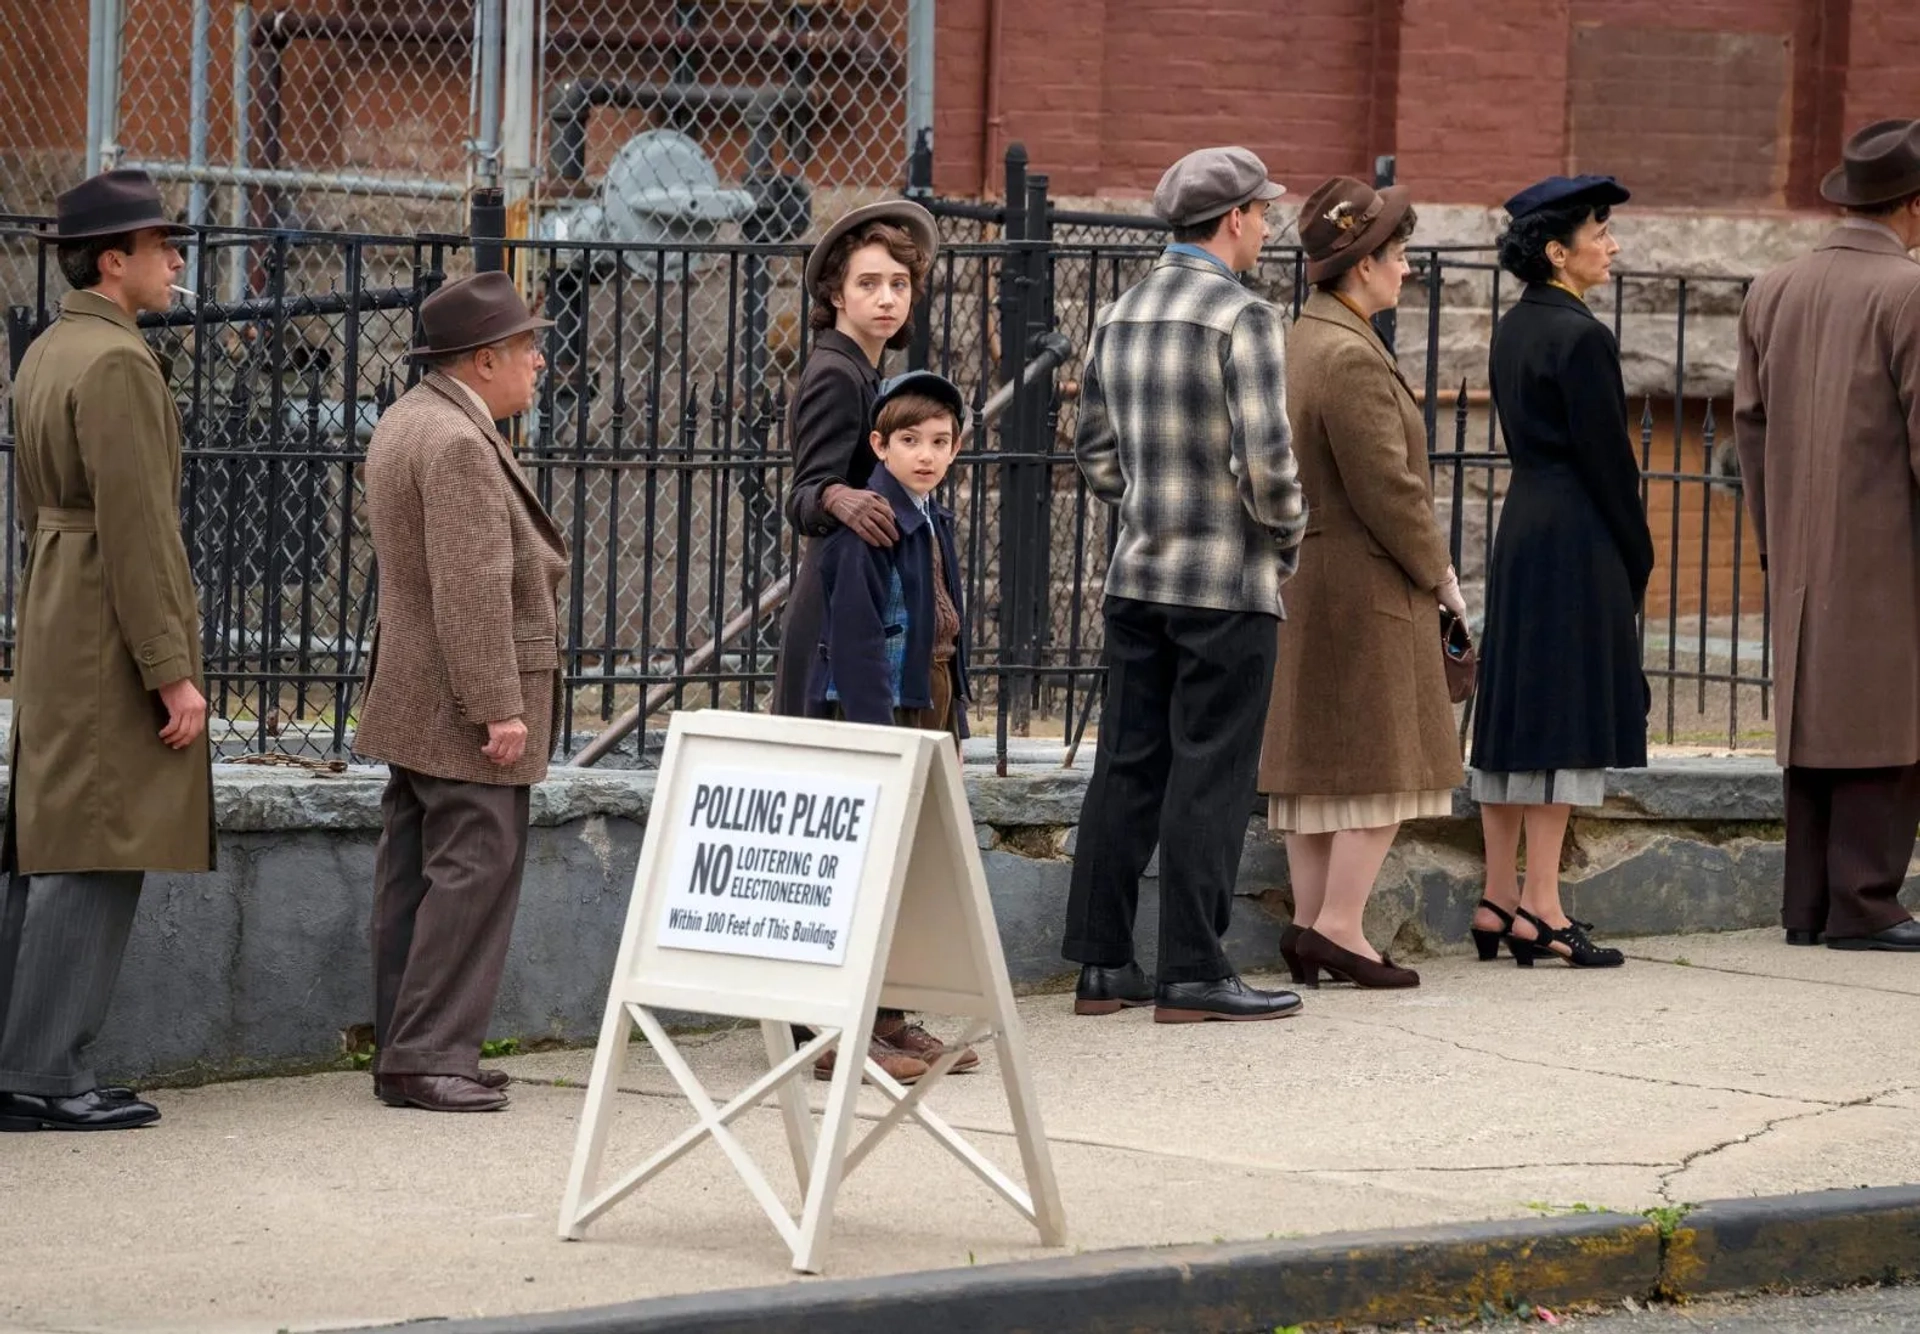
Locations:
{"points": [[1827, 422], [107, 610], [470, 568], [1359, 703], [1560, 685], [831, 420]]}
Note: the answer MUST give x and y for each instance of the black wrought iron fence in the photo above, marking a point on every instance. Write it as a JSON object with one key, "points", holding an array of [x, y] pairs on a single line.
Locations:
{"points": [[659, 442]]}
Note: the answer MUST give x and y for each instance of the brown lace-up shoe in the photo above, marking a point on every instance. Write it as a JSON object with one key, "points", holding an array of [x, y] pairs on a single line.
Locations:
{"points": [[901, 1067], [913, 1039]]}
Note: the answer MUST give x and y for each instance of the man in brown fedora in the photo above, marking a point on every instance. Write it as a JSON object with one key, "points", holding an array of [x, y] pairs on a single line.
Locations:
{"points": [[462, 691], [1827, 422], [111, 772]]}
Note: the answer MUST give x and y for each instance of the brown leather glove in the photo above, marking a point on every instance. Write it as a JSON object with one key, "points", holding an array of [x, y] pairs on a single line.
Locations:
{"points": [[866, 512]]}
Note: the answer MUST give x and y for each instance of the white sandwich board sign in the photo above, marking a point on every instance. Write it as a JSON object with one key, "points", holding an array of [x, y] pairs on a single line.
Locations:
{"points": [[797, 871]]}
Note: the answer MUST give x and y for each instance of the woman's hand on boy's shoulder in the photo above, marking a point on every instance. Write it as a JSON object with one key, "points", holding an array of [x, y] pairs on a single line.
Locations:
{"points": [[867, 513]]}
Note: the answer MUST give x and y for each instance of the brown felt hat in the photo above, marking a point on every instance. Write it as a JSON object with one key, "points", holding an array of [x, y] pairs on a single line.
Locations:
{"points": [[1881, 165], [1346, 220], [902, 213], [125, 200], [473, 312]]}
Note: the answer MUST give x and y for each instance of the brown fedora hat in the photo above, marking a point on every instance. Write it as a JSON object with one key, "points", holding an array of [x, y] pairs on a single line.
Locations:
{"points": [[902, 213], [125, 200], [1881, 165], [1346, 220], [473, 312]]}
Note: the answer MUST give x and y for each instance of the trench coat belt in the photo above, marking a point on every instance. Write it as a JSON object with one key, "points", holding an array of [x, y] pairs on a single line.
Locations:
{"points": [[63, 521]]}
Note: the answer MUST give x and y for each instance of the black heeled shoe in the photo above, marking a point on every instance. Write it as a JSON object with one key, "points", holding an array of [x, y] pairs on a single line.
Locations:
{"points": [[1290, 951], [1581, 952], [1488, 942]]}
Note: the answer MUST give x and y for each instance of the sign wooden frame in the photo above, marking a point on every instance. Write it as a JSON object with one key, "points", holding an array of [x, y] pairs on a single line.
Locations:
{"points": [[922, 937]]}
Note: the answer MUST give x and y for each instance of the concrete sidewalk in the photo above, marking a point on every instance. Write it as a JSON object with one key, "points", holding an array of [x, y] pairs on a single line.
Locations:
{"points": [[1709, 1067]]}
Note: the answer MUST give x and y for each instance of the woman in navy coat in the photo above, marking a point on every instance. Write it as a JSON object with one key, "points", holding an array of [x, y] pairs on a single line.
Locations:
{"points": [[1562, 697]]}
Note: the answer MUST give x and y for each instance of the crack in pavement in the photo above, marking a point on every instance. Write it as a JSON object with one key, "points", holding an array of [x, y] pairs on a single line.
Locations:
{"points": [[1775, 977], [1668, 1176], [1498, 1054]]}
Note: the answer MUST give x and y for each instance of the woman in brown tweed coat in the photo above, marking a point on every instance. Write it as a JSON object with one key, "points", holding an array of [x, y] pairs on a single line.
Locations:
{"points": [[1360, 731]]}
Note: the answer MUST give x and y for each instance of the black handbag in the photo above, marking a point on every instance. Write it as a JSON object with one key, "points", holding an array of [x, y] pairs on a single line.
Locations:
{"points": [[1462, 663]]}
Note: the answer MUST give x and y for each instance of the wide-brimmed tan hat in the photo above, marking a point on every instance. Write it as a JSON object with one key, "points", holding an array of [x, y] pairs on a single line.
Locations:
{"points": [[902, 213], [1346, 220], [1880, 165], [473, 312], [124, 200]]}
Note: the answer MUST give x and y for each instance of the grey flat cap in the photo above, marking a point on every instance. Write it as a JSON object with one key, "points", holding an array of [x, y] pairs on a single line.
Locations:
{"points": [[1209, 181]]}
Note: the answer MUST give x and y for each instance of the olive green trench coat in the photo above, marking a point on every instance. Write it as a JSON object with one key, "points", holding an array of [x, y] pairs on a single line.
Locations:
{"points": [[107, 611]]}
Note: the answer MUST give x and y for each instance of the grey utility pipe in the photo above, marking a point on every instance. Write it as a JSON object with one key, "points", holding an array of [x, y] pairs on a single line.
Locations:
{"points": [[197, 122], [491, 16], [574, 100]]}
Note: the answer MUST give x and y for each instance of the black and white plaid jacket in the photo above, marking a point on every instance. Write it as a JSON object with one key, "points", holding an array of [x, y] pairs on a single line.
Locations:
{"points": [[1183, 426]]}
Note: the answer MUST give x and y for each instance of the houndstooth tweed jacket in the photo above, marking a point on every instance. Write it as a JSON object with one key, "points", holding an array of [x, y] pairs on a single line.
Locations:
{"points": [[1183, 427], [470, 565]]}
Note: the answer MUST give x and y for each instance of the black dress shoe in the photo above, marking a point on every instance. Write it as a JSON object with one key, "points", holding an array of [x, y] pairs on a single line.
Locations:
{"points": [[1223, 998], [1802, 937], [83, 1111], [494, 1079], [1901, 936], [1107, 990]]}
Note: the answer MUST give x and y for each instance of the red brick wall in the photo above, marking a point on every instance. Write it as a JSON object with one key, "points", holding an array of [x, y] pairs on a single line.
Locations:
{"points": [[1883, 77]]}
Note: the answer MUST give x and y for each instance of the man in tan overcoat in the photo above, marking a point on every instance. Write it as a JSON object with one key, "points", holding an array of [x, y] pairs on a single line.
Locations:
{"points": [[462, 694], [1827, 421], [111, 776]]}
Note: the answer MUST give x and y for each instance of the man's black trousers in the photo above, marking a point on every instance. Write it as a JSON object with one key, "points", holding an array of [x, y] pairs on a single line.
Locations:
{"points": [[1178, 758]]}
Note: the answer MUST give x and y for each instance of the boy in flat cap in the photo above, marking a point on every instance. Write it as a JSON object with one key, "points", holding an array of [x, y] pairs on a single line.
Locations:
{"points": [[463, 692], [1183, 428], [1827, 422], [112, 775]]}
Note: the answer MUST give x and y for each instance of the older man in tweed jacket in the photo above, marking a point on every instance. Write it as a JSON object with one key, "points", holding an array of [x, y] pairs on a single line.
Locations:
{"points": [[1183, 427], [462, 694]]}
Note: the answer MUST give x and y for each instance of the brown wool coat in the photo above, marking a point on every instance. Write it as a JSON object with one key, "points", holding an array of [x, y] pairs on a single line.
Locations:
{"points": [[107, 610], [1827, 421], [1359, 702], [470, 569]]}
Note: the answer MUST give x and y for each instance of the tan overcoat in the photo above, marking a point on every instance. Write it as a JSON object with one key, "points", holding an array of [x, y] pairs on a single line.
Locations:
{"points": [[1827, 422], [107, 610], [470, 568], [1359, 703]]}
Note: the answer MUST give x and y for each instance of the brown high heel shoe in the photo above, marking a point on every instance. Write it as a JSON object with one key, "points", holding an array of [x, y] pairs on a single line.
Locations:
{"points": [[1317, 953]]}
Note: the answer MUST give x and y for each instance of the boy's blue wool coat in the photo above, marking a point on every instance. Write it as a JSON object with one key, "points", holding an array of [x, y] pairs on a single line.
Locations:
{"points": [[867, 589]]}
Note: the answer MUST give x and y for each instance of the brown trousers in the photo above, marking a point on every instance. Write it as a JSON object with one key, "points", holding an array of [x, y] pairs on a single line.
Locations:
{"points": [[446, 884], [1850, 837]]}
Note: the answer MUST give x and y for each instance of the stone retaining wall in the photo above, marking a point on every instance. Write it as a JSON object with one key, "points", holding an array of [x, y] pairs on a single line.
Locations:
{"points": [[263, 965]]}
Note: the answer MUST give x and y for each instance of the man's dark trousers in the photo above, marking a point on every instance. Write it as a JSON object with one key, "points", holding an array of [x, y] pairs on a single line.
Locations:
{"points": [[1850, 836], [1178, 758]]}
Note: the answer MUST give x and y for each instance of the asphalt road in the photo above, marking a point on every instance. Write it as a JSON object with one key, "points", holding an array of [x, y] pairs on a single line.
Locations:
{"points": [[1830, 1313]]}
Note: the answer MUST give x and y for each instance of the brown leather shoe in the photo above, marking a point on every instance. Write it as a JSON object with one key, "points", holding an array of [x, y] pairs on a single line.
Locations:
{"points": [[495, 1079], [902, 1067], [440, 1093], [903, 1034], [1317, 953]]}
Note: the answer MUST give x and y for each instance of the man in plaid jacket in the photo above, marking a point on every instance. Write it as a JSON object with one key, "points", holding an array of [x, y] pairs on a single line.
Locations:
{"points": [[1183, 428]]}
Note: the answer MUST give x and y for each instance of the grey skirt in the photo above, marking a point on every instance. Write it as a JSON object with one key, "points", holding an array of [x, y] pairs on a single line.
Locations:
{"points": [[1539, 787]]}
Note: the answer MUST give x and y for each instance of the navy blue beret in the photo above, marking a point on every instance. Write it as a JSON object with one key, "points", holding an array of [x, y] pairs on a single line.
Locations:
{"points": [[934, 386], [1593, 191]]}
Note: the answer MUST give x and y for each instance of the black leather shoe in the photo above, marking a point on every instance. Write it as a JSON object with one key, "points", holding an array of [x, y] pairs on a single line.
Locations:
{"points": [[83, 1111], [1223, 998], [1108, 990], [1802, 937], [1901, 936]]}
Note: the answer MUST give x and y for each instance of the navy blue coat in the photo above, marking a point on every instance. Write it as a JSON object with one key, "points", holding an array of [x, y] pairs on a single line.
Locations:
{"points": [[857, 580]]}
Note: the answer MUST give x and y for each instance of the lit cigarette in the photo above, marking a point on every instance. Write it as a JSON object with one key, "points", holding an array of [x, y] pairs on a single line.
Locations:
{"points": [[186, 292]]}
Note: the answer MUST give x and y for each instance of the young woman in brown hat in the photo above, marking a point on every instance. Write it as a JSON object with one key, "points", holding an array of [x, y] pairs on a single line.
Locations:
{"points": [[1360, 731], [863, 279]]}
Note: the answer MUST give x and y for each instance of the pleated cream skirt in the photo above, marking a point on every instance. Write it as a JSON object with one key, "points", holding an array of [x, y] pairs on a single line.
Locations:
{"points": [[1329, 815]]}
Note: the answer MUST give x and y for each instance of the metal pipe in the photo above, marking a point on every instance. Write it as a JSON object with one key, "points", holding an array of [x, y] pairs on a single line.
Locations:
{"points": [[518, 79], [486, 153], [242, 86], [1050, 349], [197, 118], [116, 21], [920, 37], [96, 83], [990, 102], [414, 187]]}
